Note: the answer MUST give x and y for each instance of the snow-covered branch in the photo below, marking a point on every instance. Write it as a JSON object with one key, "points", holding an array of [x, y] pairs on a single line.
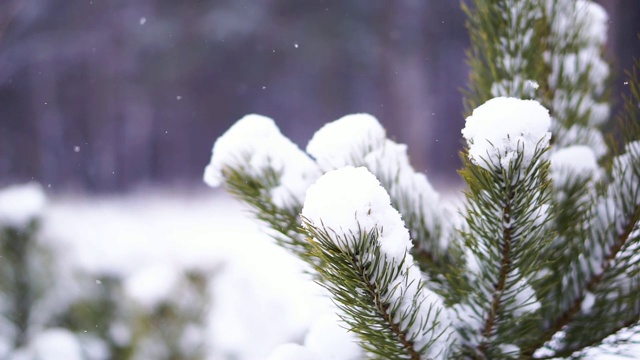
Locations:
{"points": [[508, 189], [256, 163], [368, 268], [360, 140]]}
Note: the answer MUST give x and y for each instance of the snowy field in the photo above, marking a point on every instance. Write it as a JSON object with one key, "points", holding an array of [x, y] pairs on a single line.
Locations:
{"points": [[260, 298]]}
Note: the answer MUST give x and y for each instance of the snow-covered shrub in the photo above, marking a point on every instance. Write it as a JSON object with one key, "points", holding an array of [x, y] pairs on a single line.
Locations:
{"points": [[54, 309], [170, 324], [24, 273], [543, 263], [157, 313]]}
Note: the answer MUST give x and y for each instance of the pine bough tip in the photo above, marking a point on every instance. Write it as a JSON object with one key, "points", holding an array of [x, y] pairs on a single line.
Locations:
{"points": [[502, 127]]}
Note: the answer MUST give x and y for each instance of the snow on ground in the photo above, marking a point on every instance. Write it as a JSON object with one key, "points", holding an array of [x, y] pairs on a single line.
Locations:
{"points": [[260, 298]]}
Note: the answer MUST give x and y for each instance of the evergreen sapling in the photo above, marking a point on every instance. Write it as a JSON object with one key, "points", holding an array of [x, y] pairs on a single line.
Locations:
{"points": [[543, 260]]}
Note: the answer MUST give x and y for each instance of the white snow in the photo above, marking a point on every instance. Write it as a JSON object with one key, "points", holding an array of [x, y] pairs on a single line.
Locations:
{"points": [[21, 204], [502, 127], [633, 148], [599, 113], [359, 140], [525, 299], [411, 190], [584, 18], [346, 141], [152, 285], [349, 199], [120, 333], [329, 339], [568, 17], [580, 135], [510, 349], [587, 61], [292, 352], [532, 83], [625, 171], [587, 303], [595, 21], [515, 87], [472, 261], [261, 300], [467, 318], [51, 344], [255, 145], [577, 160], [623, 163]]}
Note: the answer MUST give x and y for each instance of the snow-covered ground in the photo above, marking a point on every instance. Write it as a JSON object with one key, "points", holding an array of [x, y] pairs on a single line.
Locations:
{"points": [[260, 298]]}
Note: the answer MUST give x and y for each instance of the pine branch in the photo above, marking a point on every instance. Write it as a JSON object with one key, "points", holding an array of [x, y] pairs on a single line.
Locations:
{"points": [[574, 320], [615, 290], [590, 286], [578, 101], [414, 197], [501, 203], [507, 39], [614, 230], [264, 169], [367, 292], [368, 269], [505, 268], [561, 283], [569, 352], [364, 283], [360, 140], [254, 191]]}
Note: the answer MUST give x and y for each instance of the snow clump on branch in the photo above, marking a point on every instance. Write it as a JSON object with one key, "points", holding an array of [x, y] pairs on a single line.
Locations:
{"points": [[577, 160], [412, 193], [595, 22], [359, 140], [503, 127], [255, 145], [346, 141], [350, 200]]}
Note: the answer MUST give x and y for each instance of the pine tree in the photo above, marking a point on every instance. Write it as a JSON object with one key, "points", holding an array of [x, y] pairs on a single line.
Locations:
{"points": [[543, 261]]}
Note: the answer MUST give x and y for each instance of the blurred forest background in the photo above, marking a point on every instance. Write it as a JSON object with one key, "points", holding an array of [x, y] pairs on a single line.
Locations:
{"points": [[110, 95]]}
